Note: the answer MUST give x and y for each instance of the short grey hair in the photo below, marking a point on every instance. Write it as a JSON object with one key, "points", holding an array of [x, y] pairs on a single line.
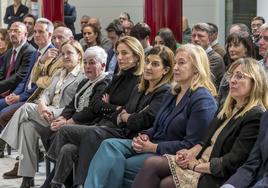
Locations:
{"points": [[203, 27], [97, 52], [264, 27], [50, 26]]}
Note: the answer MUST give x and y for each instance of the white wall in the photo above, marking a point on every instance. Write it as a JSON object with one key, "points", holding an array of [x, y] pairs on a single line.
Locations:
{"points": [[107, 10], [206, 11], [262, 9]]}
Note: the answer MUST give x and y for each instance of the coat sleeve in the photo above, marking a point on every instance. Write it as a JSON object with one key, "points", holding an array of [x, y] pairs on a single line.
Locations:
{"points": [[144, 119], [201, 111], [228, 163]]}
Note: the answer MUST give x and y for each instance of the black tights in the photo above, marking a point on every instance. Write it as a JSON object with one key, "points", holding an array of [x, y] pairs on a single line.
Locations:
{"points": [[155, 173]]}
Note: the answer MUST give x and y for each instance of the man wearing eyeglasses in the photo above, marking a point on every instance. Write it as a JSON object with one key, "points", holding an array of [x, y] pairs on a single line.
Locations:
{"points": [[16, 61]]}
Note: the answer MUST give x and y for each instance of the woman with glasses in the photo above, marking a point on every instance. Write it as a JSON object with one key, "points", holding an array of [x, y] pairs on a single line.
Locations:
{"points": [[227, 143], [238, 46], [185, 113]]}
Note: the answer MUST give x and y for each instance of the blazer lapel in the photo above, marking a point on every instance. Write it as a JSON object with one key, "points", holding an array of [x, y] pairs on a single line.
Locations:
{"points": [[67, 82], [184, 101]]}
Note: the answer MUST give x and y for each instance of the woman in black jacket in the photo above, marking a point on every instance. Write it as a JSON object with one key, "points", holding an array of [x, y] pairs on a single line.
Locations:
{"points": [[145, 99], [228, 141]]}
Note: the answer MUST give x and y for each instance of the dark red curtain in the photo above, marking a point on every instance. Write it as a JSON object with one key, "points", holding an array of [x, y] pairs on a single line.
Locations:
{"points": [[53, 10], [164, 13]]}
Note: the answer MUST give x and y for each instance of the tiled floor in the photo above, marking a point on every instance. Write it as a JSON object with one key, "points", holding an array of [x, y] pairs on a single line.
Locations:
{"points": [[7, 164]]}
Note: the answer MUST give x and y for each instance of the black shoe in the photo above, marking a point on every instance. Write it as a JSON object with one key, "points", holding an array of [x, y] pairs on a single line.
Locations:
{"points": [[2, 154], [27, 182], [47, 183]]}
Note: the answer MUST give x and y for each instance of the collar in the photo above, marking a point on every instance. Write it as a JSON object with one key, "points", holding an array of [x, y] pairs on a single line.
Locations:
{"points": [[209, 49], [30, 38], [214, 42], [76, 70], [19, 47], [44, 49]]}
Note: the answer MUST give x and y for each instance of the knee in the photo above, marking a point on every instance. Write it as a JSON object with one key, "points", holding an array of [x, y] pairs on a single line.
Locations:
{"points": [[69, 149]]}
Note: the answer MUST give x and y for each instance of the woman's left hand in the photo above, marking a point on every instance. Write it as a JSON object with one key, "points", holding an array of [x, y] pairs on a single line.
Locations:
{"points": [[149, 147], [105, 98]]}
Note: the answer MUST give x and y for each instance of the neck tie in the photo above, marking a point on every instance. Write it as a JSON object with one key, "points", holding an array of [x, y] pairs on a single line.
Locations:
{"points": [[11, 64]]}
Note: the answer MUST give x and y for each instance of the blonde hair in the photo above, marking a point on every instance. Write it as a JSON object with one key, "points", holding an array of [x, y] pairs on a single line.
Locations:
{"points": [[77, 46], [200, 62], [259, 91], [167, 57], [137, 49]]}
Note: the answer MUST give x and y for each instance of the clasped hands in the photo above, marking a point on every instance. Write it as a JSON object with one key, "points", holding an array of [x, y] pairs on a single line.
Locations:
{"points": [[142, 144], [186, 159]]}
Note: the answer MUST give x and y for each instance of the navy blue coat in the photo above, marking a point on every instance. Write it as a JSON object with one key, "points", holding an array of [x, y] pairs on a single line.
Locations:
{"points": [[256, 166], [187, 124], [11, 17]]}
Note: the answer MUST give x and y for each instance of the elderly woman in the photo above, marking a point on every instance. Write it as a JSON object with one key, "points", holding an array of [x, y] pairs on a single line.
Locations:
{"points": [[79, 110], [238, 46], [180, 123], [33, 120], [228, 141], [130, 56]]}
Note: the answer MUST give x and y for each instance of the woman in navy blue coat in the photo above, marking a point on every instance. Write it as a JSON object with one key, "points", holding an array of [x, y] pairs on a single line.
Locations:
{"points": [[180, 123], [228, 142]]}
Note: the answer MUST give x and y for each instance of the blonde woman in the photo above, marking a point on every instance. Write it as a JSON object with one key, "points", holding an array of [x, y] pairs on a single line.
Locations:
{"points": [[181, 121], [32, 121], [228, 141]]}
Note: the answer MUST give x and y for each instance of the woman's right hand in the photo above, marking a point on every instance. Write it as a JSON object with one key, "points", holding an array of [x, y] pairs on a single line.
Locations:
{"points": [[105, 98], [138, 142], [184, 157]]}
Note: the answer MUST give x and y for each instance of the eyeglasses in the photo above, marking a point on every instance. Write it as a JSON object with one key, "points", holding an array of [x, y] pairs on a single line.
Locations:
{"points": [[17, 31], [237, 76]]}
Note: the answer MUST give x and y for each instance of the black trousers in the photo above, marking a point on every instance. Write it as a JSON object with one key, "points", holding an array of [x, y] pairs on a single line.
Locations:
{"points": [[87, 139]]}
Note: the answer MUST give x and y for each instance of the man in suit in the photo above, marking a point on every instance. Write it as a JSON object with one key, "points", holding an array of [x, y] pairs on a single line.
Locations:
{"points": [[15, 12], [43, 31], [17, 60], [200, 36], [213, 38], [254, 171], [29, 21], [114, 32]]}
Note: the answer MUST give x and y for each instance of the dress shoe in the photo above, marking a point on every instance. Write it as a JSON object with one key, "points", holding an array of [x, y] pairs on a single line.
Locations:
{"points": [[2, 154], [12, 174], [47, 183], [27, 182]]}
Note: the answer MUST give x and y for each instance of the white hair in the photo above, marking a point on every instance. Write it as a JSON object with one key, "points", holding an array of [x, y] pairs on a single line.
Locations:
{"points": [[50, 26], [97, 52]]}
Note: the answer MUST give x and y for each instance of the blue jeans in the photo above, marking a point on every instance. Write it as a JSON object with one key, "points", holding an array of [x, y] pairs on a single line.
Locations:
{"points": [[114, 165]]}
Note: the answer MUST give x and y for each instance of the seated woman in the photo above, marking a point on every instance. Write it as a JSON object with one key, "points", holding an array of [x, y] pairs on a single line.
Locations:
{"points": [[32, 120], [140, 111], [238, 46], [79, 110], [91, 36], [166, 37], [180, 123], [228, 141]]}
